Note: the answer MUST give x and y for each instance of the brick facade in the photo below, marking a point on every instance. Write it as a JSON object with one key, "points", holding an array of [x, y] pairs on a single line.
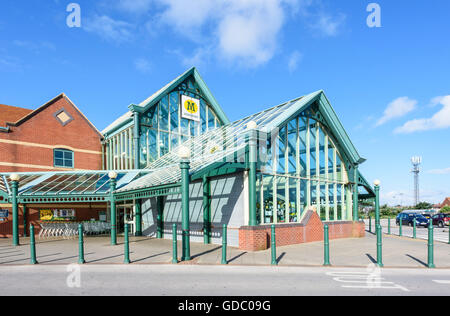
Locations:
{"points": [[28, 145], [309, 230]]}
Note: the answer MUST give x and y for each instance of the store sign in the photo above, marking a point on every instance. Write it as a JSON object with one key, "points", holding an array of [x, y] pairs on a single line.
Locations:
{"points": [[57, 215], [190, 108], [4, 213]]}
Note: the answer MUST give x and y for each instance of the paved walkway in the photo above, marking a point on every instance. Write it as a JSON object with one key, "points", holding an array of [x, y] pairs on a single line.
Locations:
{"points": [[359, 252]]}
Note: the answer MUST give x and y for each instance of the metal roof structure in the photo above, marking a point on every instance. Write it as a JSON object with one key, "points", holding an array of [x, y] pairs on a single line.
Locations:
{"points": [[76, 186]]}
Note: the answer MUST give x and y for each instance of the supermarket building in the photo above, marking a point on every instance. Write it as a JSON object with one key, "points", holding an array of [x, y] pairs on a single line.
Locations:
{"points": [[176, 158]]}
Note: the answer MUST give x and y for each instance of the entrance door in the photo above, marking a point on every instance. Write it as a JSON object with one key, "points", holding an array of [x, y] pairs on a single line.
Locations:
{"points": [[125, 215]]}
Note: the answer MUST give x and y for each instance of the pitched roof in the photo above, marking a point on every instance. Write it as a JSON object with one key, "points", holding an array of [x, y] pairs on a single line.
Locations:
{"points": [[158, 95], [446, 202], [11, 114], [31, 113]]}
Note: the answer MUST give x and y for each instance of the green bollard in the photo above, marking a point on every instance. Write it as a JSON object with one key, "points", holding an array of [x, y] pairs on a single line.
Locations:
{"points": [[326, 241], [32, 246], [174, 244], [273, 241], [80, 245], [449, 234], [370, 224], [389, 226], [224, 244], [126, 259], [379, 246], [414, 229], [430, 245], [400, 227]]}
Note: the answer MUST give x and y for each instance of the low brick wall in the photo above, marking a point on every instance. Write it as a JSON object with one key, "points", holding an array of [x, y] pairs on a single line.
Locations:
{"points": [[309, 230]]}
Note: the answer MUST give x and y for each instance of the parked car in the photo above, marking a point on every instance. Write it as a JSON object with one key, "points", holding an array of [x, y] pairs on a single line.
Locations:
{"points": [[408, 219], [441, 220]]}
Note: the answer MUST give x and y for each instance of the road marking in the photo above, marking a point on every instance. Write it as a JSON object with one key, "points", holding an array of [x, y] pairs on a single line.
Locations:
{"points": [[365, 280], [442, 281]]}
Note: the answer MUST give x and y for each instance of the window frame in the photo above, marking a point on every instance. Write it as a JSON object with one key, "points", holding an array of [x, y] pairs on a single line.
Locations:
{"points": [[64, 151]]}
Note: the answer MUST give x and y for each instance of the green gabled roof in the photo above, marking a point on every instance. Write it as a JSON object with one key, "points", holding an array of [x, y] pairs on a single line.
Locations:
{"points": [[127, 118], [156, 97], [329, 115]]}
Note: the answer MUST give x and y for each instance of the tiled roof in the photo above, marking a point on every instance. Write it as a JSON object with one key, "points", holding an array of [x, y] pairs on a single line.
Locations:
{"points": [[11, 114]]}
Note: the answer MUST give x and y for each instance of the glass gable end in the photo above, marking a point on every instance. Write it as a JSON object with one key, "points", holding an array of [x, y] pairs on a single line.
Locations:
{"points": [[304, 169], [162, 128]]}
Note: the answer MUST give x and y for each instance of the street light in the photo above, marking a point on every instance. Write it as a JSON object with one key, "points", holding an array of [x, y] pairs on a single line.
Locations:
{"points": [[113, 176], [377, 223], [14, 177], [185, 154], [15, 207], [252, 125]]}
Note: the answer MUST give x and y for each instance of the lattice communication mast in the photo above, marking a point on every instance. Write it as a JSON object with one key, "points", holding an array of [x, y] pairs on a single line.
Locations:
{"points": [[416, 161]]}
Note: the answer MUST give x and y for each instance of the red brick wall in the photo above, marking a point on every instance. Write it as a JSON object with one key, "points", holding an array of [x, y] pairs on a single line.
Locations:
{"points": [[44, 129], [309, 230], [83, 213]]}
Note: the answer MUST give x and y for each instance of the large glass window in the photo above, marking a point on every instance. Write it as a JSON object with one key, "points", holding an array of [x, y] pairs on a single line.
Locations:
{"points": [[303, 168]]}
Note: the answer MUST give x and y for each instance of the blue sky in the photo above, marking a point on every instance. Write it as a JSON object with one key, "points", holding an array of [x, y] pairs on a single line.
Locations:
{"points": [[388, 84]]}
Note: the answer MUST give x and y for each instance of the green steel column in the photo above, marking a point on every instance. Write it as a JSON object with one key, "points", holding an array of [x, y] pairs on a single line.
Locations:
{"points": [[224, 244], [377, 205], [24, 220], [80, 245], [138, 218], [15, 212], [206, 210], [355, 193], [113, 213], [174, 244], [159, 217], [431, 245], [136, 143], [273, 241], [379, 246], [252, 141], [126, 250], [186, 251], [326, 241], [33, 259], [389, 226]]}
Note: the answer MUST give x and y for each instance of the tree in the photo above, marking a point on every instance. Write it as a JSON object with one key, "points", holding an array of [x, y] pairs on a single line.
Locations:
{"points": [[424, 206], [445, 209]]}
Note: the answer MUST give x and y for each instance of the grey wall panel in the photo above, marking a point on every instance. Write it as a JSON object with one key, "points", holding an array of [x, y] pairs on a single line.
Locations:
{"points": [[227, 207]]}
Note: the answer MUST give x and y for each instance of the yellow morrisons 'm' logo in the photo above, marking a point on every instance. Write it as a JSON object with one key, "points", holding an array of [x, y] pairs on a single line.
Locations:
{"points": [[191, 106]]}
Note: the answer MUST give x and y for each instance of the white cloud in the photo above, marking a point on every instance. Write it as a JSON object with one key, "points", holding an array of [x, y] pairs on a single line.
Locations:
{"points": [[327, 24], [294, 60], [245, 32], [397, 108], [142, 65], [109, 29], [440, 120]]}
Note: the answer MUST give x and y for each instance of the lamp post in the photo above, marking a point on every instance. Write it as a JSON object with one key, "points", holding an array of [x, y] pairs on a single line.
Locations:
{"points": [[378, 227], [15, 207], [185, 155], [113, 176], [253, 156]]}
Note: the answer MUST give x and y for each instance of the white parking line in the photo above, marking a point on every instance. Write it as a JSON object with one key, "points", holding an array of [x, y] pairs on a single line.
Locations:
{"points": [[442, 281], [365, 280]]}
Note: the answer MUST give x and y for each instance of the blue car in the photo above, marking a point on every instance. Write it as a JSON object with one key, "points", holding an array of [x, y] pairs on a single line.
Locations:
{"points": [[408, 219]]}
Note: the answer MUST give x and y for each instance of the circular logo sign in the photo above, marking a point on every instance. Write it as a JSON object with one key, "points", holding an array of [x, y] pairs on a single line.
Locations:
{"points": [[191, 106]]}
